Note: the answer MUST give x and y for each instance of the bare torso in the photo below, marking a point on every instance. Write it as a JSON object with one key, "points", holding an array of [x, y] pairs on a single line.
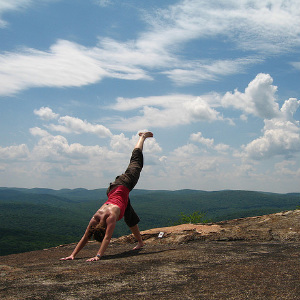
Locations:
{"points": [[105, 211]]}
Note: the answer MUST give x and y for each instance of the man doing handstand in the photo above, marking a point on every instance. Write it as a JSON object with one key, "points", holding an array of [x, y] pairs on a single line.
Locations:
{"points": [[103, 222]]}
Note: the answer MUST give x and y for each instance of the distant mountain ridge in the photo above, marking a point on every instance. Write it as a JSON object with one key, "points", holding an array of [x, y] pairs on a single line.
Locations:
{"points": [[32, 219]]}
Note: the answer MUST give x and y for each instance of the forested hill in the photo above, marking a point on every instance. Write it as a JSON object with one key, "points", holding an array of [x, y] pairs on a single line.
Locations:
{"points": [[32, 219]]}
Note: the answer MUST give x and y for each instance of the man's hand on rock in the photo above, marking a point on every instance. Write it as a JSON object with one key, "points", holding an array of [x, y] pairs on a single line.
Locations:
{"points": [[93, 258], [71, 257]]}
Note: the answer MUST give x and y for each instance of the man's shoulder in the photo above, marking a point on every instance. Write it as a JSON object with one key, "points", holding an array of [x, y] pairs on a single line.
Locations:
{"points": [[113, 216]]}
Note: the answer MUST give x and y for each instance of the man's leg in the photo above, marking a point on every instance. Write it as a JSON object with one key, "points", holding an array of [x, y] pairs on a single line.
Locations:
{"points": [[132, 173], [136, 232], [137, 161], [130, 216]]}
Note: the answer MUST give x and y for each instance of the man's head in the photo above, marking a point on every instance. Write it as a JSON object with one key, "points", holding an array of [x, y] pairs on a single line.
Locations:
{"points": [[98, 232]]}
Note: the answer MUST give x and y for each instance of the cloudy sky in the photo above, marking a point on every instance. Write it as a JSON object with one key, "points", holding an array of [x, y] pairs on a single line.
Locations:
{"points": [[217, 82]]}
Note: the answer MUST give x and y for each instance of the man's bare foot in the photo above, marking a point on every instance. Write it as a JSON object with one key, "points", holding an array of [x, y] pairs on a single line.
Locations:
{"points": [[146, 134], [139, 246], [142, 138]]}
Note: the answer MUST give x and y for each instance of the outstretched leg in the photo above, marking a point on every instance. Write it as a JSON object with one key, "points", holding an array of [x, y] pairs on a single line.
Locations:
{"points": [[132, 173], [135, 229]]}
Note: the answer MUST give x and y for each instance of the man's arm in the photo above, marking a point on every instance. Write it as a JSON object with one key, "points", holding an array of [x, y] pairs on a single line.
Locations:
{"points": [[111, 224], [82, 242]]}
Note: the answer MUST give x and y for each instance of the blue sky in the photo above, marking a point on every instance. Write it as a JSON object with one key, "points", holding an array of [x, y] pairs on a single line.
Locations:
{"points": [[217, 82]]}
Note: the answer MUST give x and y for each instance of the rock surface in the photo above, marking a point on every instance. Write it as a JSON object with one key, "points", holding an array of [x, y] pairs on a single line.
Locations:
{"points": [[283, 226], [250, 258]]}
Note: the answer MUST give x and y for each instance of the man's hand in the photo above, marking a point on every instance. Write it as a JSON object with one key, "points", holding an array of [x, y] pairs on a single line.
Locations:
{"points": [[71, 257], [93, 258]]}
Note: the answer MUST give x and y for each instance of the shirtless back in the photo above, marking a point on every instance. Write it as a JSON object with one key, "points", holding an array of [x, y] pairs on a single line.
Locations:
{"points": [[107, 210]]}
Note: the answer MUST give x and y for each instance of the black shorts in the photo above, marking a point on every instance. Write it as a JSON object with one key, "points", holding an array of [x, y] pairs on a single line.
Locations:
{"points": [[130, 179]]}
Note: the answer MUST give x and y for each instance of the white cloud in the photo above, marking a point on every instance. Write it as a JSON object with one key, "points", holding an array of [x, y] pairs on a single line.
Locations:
{"points": [[66, 64], [55, 161], [45, 113], [222, 147], [296, 65], [11, 5], [287, 167], [196, 72], [198, 137], [199, 110], [288, 109], [124, 104], [36, 131], [164, 111], [279, 138], [209, 143], [57, 148], [258, 99], [186, 151], [188, 166], [281, 135], [103, 3], [15, 153], [253, 25], [120, 143], [261, 26], [69, 124], [53, 153]]}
